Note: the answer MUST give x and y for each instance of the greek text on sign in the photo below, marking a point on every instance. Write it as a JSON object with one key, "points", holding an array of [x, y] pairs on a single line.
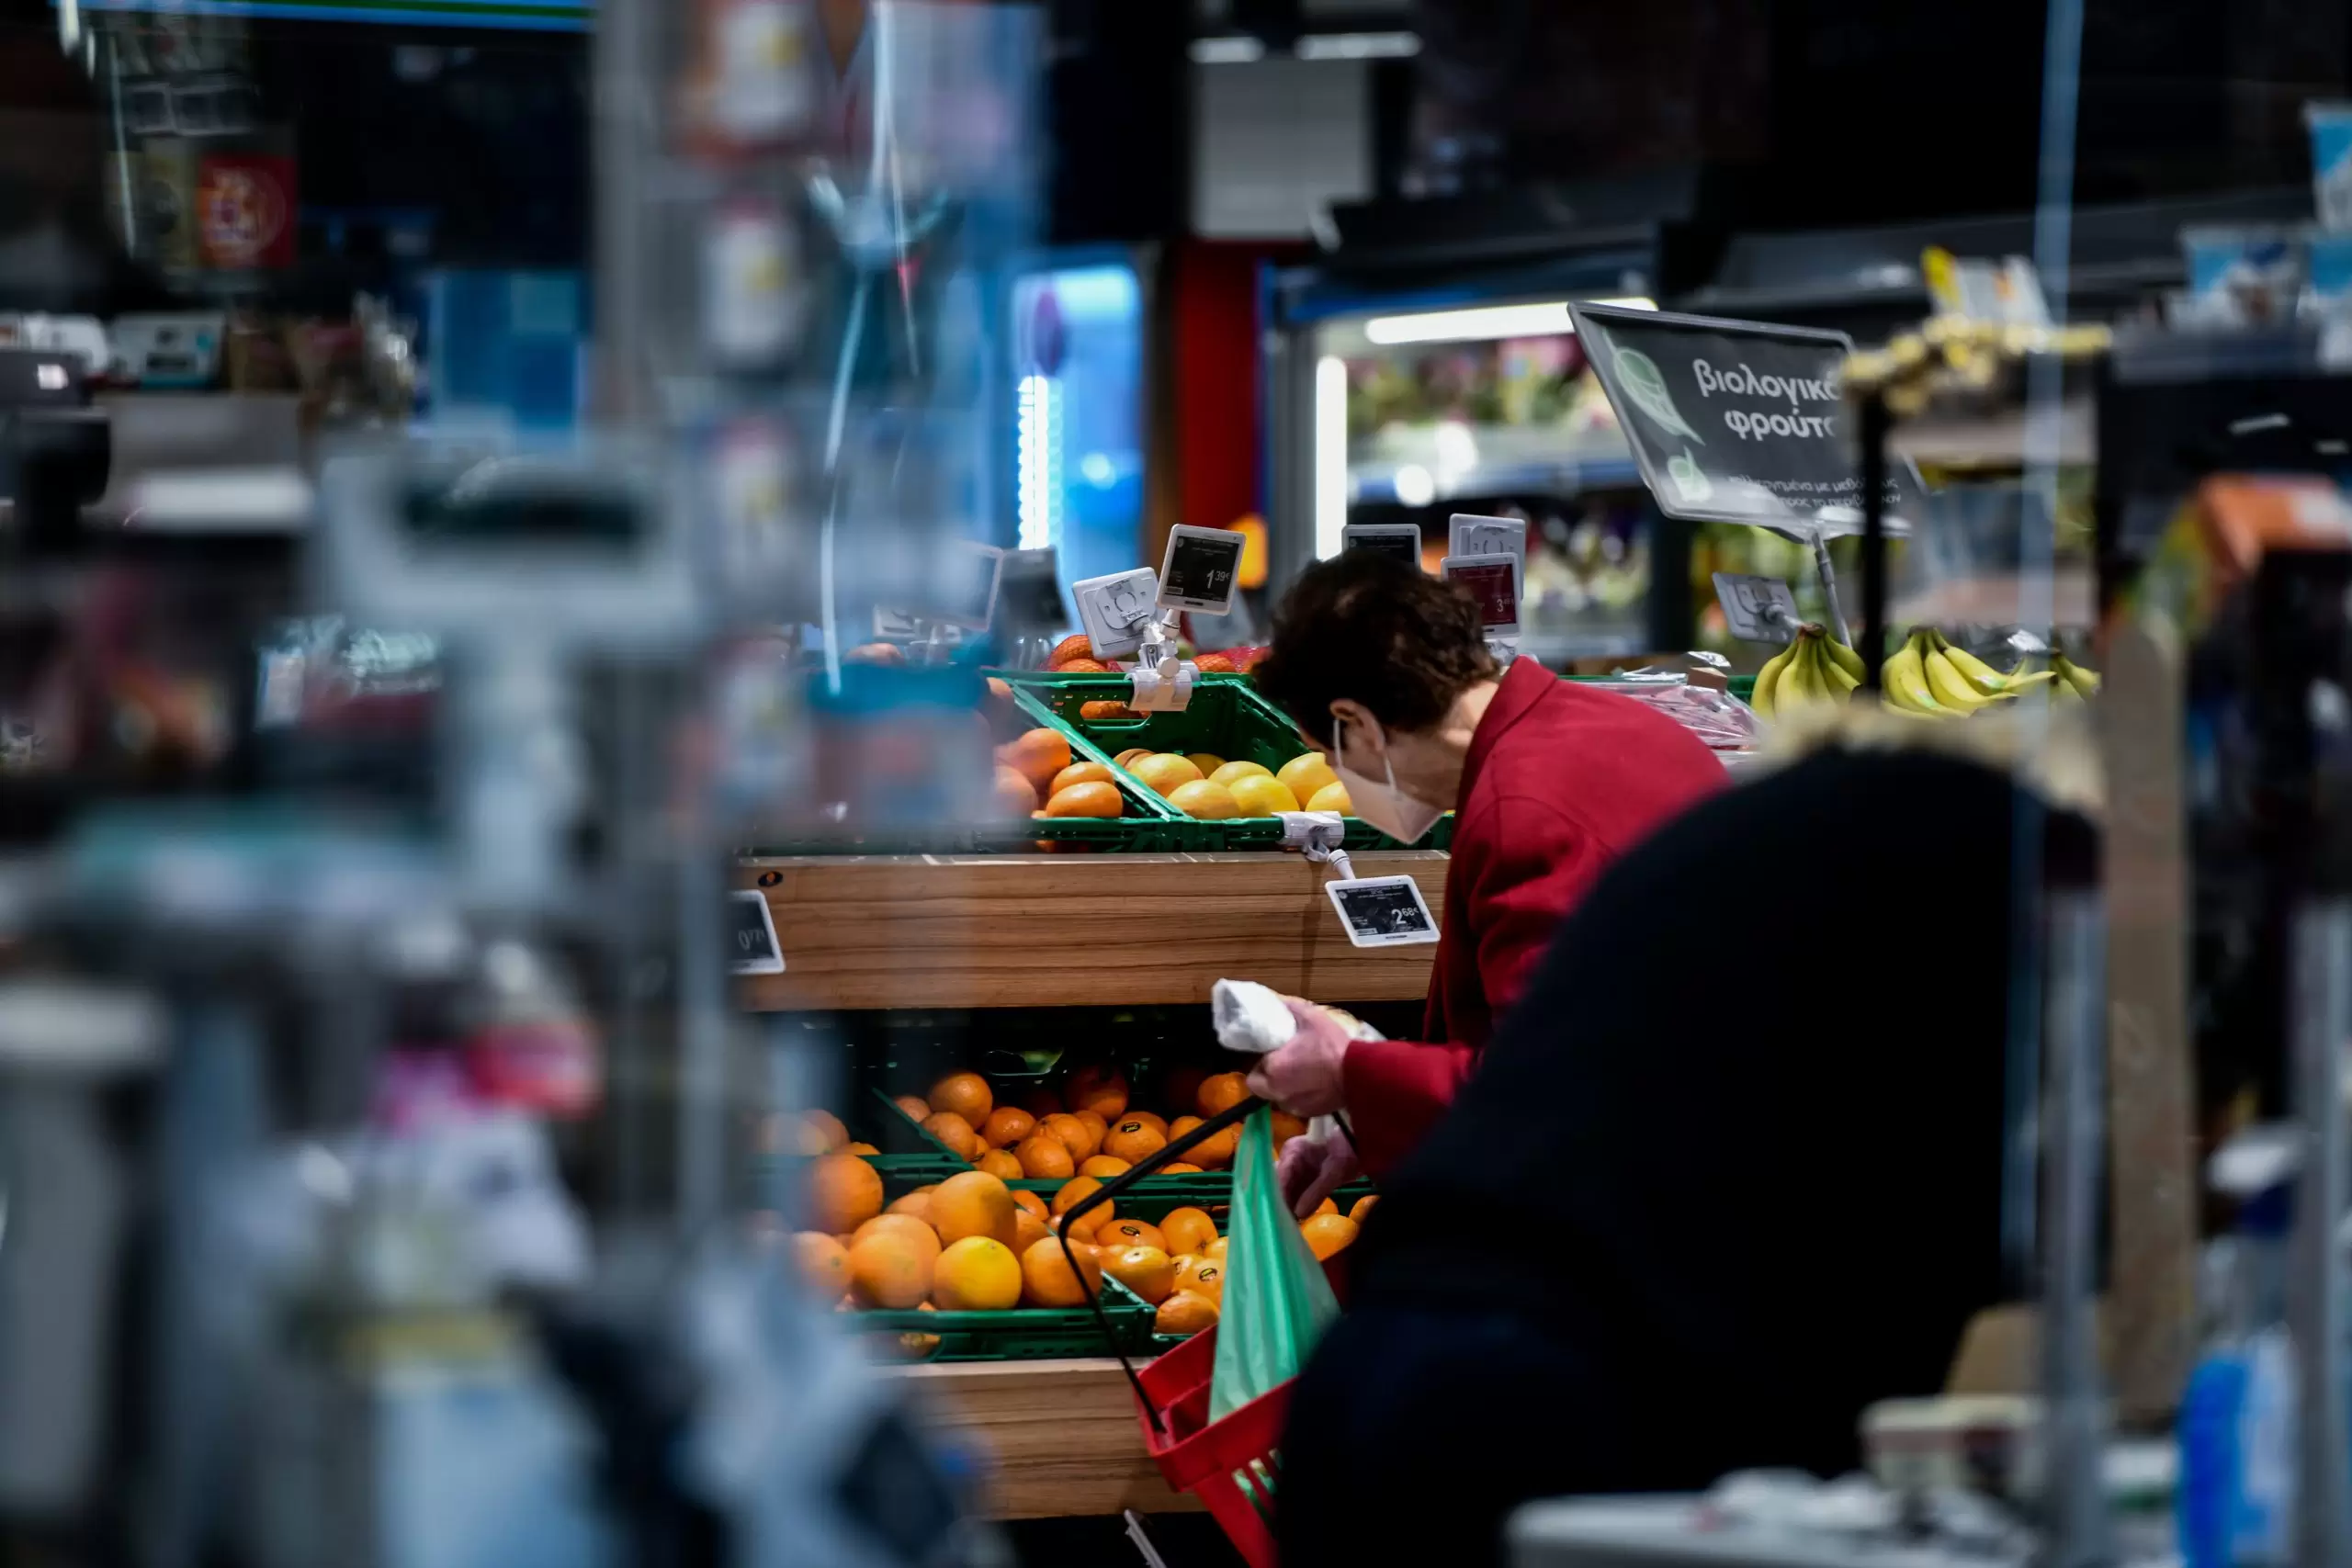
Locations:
{"points": [[1736, 421]]}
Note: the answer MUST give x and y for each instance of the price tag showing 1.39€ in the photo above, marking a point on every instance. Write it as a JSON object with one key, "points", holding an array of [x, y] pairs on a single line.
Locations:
{"points": [[753, 948]]}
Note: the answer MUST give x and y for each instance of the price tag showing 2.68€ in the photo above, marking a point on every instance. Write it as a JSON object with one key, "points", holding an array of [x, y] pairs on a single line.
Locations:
{"points": [[751, 948]]}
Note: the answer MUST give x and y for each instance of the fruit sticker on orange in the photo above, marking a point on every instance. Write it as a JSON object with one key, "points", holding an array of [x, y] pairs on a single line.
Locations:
{"points": [[1383, 911]]}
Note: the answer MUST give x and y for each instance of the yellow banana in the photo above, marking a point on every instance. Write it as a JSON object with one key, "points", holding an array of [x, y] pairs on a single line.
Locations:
{"points": [[1981, 677], [1801, 683], [1945, 682], [1906, 682], [1845, 659], [1839, 681], [1761, 698], [2085, 682]]}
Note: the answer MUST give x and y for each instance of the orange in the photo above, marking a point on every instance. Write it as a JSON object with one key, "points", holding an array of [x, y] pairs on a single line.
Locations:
{"points": [[1129, 758], [1233, 772], [1185, 1313], [1042, 1102], [1103, 1166], [1216, 1150], [1364, 1207], [795, 1135], [1103, 1090], [1187, 1229], [1328, 1234], [1124, 1234], [1153, 1119], [829, 1126], [1181, 1125], [1304, 774], [1094, 712], [974, 1203], [1028, 1230], [914, 1105], [823, 1261], [1205, 1277], [1037, 755], [1203, 801], [1015, 796], [1086, 800], [999, 691], [1050, 1280], [1147, 1270], [1179, 1168], [1207, 762], [1071, 1132], [954, 1131], [966, 1094], [1077, 645], [1030, 1201], [917, 1233], [1096, 1126], [1045, 1158], [860, 1150], [1131, 1141], [1287, 1127], [888, 1270], [1079, 773], [1002, 1163], [1163, 770], [1183, 1087], [1222, 1092], [1005, 1126], [1081, 666], [1332, 797], [977, 1274], [1070, 1192], [1256, 797], [843, 1193], [917, 1202], [1214, 1252]]}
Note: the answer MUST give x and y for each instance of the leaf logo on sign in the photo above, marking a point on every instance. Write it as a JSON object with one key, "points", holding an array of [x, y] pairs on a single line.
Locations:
{"points": [[1638, 374]]}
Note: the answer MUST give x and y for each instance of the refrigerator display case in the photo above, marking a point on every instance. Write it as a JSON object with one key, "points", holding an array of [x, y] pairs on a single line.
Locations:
{"points": [[1411, 405], [1079, 323]]}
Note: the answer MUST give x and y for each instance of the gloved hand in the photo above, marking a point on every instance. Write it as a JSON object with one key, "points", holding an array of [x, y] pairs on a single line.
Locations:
{"points": [[1304, 1077], [1312, 1171]]}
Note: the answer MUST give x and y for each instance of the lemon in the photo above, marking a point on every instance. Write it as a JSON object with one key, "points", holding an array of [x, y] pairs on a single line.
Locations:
{"points": [[1261, 795]]}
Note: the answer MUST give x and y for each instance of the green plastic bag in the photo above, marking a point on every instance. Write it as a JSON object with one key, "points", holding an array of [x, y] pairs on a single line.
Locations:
{"points": [[1277, 1303]]}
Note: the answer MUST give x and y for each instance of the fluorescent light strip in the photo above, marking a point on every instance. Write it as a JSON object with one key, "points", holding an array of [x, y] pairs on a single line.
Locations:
{"points": [[1483, 322], [1039, 442], [1241, 51], [1330, 455], [1359, 46]]}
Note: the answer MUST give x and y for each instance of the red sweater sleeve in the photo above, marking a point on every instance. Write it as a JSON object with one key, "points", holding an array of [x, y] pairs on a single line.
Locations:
{"points": [[1526, 866]]}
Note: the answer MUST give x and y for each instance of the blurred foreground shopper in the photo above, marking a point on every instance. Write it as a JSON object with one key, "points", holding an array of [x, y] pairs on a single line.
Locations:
{"points": [[1388, 671], [1701, 1204]]}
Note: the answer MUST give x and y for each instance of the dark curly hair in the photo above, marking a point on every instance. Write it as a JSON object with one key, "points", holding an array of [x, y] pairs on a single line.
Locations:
{"points": [[1368, 626]]}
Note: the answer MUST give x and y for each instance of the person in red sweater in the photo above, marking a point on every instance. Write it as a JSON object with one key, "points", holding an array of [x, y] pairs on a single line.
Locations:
{"points": [[1388, 671]]}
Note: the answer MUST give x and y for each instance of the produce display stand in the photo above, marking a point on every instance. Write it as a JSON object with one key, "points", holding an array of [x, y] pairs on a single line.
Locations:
{"points": [[912, 931]]}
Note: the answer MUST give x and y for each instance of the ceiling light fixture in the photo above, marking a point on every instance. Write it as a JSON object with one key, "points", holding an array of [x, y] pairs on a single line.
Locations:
{"points": [[1484, 323]]}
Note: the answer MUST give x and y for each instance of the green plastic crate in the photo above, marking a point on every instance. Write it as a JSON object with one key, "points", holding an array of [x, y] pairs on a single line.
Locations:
{"points": [[1226, 717]]}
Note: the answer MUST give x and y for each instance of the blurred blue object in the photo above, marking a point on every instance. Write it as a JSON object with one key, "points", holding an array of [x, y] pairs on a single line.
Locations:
{"points": [[509, 343]]}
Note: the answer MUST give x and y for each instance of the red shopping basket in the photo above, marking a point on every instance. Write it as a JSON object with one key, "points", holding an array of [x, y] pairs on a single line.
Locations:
{"points": [[1214, 1460]]}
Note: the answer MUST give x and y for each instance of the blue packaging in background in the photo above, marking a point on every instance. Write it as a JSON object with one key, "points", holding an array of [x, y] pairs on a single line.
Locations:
{"points": [[513, 343], [2331, 128]]}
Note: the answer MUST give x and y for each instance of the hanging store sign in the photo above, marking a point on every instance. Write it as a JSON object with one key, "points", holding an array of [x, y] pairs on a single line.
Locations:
{"points": [[1737, 422]]}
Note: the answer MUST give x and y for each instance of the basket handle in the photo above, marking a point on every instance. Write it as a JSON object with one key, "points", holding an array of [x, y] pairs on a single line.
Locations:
{"points": [[1209, 1129]]}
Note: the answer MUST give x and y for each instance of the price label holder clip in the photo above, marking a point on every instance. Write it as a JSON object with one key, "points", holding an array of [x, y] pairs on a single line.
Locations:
{"points": [[1317, 835], [1165, 686], [1756, 609], [755, 949]]}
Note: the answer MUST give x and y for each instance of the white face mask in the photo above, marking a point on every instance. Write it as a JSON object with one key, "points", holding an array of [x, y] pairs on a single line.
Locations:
{"points": [[1383, 806]]}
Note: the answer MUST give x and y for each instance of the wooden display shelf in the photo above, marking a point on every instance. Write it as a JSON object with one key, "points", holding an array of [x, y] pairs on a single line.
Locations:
{"points": [[1071, 931], [1062, 1435]]}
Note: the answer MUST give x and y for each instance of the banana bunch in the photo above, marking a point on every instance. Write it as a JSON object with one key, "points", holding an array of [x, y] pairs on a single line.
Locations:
{"points": [[1931, 677], [1814, 669]]}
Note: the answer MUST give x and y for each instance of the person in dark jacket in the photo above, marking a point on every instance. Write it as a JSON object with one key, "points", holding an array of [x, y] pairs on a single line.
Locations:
{"points": [[1729, 1172]]}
